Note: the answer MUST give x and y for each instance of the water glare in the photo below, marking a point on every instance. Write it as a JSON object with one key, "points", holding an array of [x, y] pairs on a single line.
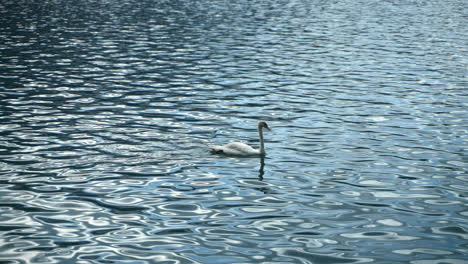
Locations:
{"points": [[108, 108]]}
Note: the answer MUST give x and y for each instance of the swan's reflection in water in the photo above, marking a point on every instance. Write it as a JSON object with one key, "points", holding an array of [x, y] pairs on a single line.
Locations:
{"points": [[261, 171]]}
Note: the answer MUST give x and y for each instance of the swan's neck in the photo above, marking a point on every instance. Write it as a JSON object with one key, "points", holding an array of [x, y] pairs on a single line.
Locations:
{"points": [[262, 145]]}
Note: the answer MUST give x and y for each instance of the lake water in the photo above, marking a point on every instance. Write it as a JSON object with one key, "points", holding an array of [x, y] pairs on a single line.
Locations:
{"points": [[107, 109]]}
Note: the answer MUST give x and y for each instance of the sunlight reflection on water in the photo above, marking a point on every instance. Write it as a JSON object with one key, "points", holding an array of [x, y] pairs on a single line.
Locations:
{"points": [[108, 108]]}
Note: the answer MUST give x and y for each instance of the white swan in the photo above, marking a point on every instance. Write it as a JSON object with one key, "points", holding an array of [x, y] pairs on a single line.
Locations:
{"points": [[241, 149]]}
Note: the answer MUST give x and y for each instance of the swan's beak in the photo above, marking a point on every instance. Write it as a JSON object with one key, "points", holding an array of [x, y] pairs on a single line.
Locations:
{"points": [[266, 126]]}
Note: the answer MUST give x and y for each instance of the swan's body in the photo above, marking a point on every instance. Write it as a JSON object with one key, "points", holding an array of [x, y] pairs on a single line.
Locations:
{"points": [[235, 149], [241, 149]]}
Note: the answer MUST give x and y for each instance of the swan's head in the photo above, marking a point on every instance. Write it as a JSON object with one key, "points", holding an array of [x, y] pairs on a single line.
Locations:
{"points": [[263, 124]]}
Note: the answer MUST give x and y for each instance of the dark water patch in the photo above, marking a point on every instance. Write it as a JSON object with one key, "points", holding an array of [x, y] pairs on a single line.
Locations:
{"points": [[309, 233], [117, 209], [177, 231], [62, 244], [101, 232], [27, 208], [372, 205]]}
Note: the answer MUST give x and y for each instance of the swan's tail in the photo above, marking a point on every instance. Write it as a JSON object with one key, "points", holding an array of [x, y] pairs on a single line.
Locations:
{"points": [[215, 149]]}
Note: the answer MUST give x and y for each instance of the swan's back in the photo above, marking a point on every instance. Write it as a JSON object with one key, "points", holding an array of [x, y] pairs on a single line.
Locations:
{"points": [[235, 149]]}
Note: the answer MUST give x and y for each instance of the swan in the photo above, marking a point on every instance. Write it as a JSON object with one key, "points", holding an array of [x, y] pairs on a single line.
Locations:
{"points": [[241, 149]]}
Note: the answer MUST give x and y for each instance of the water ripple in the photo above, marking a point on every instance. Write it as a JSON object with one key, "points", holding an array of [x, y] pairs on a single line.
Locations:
{"points": [[107, 109]]}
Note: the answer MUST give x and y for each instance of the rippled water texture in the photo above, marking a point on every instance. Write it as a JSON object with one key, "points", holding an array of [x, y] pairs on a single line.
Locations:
{"points": [[107, 108]]}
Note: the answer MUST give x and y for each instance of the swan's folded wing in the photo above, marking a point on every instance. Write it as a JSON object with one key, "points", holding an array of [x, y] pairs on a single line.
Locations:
{"points": [[241, 148], [235, 148]]}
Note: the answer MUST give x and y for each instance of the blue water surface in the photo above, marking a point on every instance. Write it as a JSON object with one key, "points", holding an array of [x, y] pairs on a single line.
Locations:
{"points": [[107, 109]]}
